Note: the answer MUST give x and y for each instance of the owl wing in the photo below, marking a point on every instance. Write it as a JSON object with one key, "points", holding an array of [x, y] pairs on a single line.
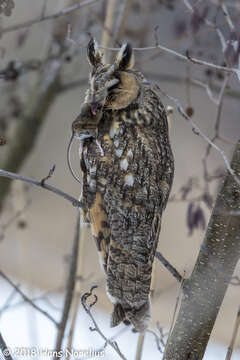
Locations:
{"points": [[134, 202]]}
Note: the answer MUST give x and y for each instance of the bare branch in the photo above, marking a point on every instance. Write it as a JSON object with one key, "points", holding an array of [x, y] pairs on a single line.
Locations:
{"points": [[43, 17], [210, 24], [7, 303], [184, 57], [168, 266], [234, 336], [17, 214], [213, 66], [13, 176], [27, 299], [50, 174], [159, 339], [77, 295], [227, 15], [70, 287], [208, 90], [216, 127], [87, 307], [197, 131]]}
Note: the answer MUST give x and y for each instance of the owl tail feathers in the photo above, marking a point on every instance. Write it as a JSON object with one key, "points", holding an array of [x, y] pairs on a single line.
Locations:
{"points": [[138, 317], [118, 315]]}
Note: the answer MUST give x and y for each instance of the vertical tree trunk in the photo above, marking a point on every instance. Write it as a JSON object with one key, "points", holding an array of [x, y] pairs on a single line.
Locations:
{"points": [[204, 291]]}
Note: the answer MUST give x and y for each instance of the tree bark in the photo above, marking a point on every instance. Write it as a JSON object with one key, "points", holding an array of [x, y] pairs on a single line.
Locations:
{"points": [[204, 291]]}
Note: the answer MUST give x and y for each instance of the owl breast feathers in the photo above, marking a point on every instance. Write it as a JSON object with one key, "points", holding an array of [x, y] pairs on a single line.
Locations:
{"points": [[128, 167]]}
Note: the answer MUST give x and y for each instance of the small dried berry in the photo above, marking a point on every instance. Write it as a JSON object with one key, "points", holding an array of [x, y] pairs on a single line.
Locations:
{"points": [[189, 111], [22, 224], [208, 72]]}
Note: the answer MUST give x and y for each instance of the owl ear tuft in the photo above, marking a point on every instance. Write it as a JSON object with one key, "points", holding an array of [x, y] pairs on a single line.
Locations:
{"points": [[125, 57], [93, 53]]}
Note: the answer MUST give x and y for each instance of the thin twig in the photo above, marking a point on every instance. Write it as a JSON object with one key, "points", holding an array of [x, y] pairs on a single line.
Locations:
{"points": [[43, 297], [159, 340], [11, 175], [70, 287], [77, 294], [208, 90], [112, 338], [197, 131], [186, 57], [210, 24], [227, 15], [27, 299], [41, 18], [87, 307], [234, 336], [50, 174], [17, 214], [216, 127], [7, 303], [168, 266]]}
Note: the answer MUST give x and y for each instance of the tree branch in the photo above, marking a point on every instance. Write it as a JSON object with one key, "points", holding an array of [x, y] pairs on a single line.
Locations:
{"points": [[197, 131], [205, 289], [234, 336], [43, 17], [26, 299], [87, 307], [186, 57], [169, 267], [10, 175], [70, 288]]}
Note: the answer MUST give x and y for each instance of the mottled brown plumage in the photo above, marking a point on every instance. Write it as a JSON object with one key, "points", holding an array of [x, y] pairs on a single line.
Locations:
{"points": [[126, 185]]}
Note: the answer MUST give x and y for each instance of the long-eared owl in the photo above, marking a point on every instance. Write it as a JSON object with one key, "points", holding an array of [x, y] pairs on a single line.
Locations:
{"points": [[128, 167]]}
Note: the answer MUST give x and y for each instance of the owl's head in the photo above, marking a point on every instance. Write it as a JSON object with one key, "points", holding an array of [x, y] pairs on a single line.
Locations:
{"points": [[112, 86]]}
